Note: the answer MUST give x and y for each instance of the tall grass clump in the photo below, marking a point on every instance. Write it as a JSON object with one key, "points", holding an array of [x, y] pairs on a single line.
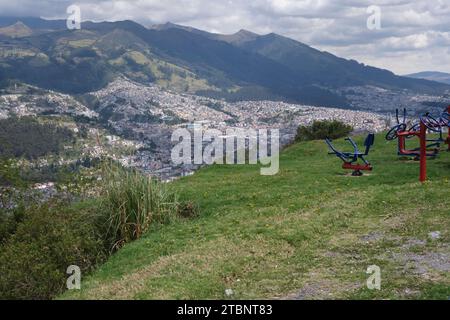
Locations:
{"points": [[132, 202]]}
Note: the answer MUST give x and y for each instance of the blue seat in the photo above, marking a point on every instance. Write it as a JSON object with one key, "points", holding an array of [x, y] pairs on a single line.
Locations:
{"points": [[350, 157], [369, 142]]}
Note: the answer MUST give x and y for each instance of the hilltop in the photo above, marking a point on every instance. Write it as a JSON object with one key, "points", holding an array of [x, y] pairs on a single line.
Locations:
{"points": [[16, 30], [309, 232]]}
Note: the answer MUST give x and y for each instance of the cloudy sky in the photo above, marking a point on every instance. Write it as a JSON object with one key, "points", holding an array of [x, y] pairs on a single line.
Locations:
{"points": [[414, 34]]}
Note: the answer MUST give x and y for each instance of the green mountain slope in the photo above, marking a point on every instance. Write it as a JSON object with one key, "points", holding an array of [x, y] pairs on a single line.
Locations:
{"points": [[309, 232], [311, 65], [324, 68]]}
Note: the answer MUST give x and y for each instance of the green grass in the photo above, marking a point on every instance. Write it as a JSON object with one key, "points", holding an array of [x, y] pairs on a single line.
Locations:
{"points": [[299, 231]]}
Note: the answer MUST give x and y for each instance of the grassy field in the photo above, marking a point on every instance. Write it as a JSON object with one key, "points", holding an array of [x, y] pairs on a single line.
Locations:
{"points": [[309, 232]]}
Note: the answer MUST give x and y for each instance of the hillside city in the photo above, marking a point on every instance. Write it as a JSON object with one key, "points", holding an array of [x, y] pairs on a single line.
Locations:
{"points": [[129, 102], [140, 118]]}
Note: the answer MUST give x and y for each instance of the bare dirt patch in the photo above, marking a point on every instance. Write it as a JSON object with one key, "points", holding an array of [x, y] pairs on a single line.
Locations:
{"points": [[320, 287]]}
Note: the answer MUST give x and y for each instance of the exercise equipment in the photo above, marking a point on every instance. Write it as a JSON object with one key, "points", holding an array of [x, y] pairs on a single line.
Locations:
{"points": [[350, 159], [426, 123], [433, 144], [445, 122], [401, 133]]}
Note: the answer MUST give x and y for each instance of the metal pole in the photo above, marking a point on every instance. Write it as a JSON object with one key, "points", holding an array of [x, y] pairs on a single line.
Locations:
{"points": [[401, 144], [448, 130], [423, 152]]}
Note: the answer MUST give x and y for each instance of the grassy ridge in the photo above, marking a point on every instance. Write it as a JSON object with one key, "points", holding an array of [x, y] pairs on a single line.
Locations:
{"points": [[309, 232]]}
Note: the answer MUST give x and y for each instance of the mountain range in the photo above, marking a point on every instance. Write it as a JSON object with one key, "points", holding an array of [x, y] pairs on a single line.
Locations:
{"points": [[432, 76], [242, 66]]}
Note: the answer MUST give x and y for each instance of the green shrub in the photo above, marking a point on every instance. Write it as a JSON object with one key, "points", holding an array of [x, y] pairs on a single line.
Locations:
{"points": [[34, 260], [132, 202], [9, 221], [10, 175], [320, 130]]}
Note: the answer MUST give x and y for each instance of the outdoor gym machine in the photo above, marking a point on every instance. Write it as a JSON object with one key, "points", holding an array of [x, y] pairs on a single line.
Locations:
{"points": [[419, 130], [445, 119], [400, 133], [350, 159]]}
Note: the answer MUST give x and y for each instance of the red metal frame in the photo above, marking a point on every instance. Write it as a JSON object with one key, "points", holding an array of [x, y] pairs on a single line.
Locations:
{"points": [[423, 152], [422, 135], [357, 167], [448, 135], [402, 144]]}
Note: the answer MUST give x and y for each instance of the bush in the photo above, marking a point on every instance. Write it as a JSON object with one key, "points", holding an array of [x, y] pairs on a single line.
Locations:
{"points": [[10, 175], [34, 260], [320, 130], [132, 202], [9, 221]]}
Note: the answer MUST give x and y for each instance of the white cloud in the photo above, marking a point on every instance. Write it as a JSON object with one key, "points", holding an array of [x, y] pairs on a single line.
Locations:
{"points": [[414, 35]]}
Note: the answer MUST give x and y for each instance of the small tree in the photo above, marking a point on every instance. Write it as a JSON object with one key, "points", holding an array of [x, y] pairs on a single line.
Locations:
{"points": [[323, 129]]}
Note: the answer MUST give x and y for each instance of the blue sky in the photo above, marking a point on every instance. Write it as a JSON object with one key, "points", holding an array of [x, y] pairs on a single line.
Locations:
{"points": [[414, 35]]}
